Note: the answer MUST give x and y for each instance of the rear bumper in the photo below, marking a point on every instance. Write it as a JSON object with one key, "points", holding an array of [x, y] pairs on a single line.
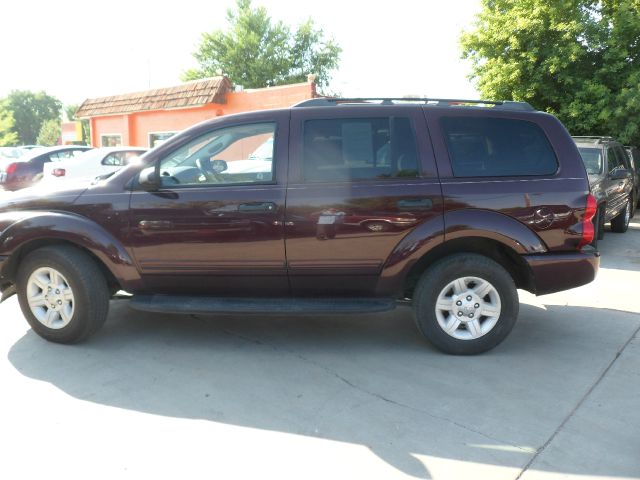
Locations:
{"points": [[554, 272]]}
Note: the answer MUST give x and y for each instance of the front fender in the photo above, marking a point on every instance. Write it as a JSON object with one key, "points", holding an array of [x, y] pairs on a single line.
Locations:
{"points": [[25, 227]]}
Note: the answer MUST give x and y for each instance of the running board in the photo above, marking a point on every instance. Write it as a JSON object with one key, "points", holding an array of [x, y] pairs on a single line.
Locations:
{"points": [[261, 306]]}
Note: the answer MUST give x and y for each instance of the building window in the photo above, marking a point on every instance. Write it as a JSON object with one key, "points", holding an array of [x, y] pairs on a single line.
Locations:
{"points": [[158, 138], [111, 140]]}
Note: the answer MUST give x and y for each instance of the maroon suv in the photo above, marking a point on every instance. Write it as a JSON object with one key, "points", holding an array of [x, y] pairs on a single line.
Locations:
{"points": [[331, 206]]}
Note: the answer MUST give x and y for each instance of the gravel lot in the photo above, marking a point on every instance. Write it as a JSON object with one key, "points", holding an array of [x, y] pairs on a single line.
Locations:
{"points": [[155, 396]]}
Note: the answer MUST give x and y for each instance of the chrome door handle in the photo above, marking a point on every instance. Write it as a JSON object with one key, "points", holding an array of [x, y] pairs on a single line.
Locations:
{"points": [[255, 207], [155, 225], [415, 204]]}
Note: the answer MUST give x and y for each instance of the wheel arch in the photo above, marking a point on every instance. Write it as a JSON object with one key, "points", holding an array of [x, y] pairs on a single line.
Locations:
{"points": [[25, 249], [505, 256], [40, 229], [495, 235]]}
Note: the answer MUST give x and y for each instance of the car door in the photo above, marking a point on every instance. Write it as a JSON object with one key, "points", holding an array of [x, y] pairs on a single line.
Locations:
{"points": [[360, 180], [214, 230]]}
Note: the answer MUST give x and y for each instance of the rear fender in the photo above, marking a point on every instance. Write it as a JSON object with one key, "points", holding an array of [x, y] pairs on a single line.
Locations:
{"points": [[460, 224], [494, 226]]}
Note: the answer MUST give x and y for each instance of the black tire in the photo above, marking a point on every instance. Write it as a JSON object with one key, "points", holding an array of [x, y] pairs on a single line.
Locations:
{"points": [[620, 223], [441, 274], [86, 281]]}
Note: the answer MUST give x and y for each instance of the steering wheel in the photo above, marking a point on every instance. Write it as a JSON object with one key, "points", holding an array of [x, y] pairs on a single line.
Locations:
{"points": [[205, 166]]}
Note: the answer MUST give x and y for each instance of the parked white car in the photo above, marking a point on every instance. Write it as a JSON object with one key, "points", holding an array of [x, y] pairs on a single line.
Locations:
{"points": [[91, 164]]}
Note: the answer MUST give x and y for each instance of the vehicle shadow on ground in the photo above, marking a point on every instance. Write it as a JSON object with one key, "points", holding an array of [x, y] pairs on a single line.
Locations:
{"points": [[366, 380]]}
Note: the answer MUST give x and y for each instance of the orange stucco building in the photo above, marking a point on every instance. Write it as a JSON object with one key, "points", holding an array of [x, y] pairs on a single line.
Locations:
{"points": [[145, 118]]}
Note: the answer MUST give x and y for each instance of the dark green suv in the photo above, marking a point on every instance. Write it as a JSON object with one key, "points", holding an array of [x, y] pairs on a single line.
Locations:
{"points": [[611, 181]]}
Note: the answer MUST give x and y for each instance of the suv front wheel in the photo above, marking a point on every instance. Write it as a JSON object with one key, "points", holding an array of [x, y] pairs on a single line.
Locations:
{"points": [[620, 223], [62, 293], [466, 304]]}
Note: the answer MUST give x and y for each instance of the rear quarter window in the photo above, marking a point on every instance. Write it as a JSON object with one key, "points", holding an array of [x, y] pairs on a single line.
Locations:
{"points": [[497, 147]]}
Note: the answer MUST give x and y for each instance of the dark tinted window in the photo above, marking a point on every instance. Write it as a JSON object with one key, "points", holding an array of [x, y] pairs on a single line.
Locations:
{"points": [[614, 159], [359, 148], [624, 158], [497, 147]]}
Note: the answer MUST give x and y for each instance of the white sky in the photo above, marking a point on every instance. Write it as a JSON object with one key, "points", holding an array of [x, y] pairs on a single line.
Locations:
{"points": [[81, 49]]}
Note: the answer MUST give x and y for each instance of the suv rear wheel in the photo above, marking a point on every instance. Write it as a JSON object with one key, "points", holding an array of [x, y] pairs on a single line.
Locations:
{"points": [[466, 304], [620, 224], [62, 293]]}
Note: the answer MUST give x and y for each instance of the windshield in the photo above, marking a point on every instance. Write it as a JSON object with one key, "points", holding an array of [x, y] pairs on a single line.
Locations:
{"points": [[592, 159]]}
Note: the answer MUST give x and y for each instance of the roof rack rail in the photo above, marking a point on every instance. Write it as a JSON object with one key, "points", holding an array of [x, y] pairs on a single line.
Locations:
{"points": [[448, 102], [594, 138]]}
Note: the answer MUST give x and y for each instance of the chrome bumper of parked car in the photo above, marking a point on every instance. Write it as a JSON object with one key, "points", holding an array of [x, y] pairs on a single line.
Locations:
{"points": [[554, 272]]}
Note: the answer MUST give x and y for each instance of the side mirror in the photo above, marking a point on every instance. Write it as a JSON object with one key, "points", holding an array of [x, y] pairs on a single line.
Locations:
{"points": [[219, 166], [148, 179], [620, 174]]}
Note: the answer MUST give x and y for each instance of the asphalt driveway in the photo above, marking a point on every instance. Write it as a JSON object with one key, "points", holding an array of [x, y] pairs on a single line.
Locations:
{"points": [[155, 396]]}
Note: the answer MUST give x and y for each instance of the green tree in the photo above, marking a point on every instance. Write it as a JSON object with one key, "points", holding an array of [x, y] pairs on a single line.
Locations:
{"points": [[577, 59], [256, 52], [70, 111], [7, 135], [30, 111], [49, 133]]}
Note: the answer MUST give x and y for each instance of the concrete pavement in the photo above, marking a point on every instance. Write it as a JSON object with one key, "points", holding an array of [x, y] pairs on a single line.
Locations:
{"points": [[154, 396]]}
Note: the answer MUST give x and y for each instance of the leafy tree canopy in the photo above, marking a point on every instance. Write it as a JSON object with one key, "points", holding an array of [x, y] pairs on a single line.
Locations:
{"points": [[49, 133], [256, 52], [7, 136], [70, 111], [577, 59], [30, 111]]}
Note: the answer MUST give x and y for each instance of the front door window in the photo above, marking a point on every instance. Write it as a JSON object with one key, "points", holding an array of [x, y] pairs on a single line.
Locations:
{"points": [[241, 154]]}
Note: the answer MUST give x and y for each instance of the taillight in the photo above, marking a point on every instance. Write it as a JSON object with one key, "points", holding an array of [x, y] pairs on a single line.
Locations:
{"points": [[588, 230], [11, 168], [58, 172]]}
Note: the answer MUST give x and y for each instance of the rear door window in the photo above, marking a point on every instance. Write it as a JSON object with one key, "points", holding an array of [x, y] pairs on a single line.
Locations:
{"points": [[497, 147], [346, 149], [624, 158], [614, 159]]}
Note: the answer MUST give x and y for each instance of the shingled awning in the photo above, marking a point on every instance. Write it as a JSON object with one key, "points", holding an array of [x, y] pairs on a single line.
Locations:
{"points": [[191, 94]]}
